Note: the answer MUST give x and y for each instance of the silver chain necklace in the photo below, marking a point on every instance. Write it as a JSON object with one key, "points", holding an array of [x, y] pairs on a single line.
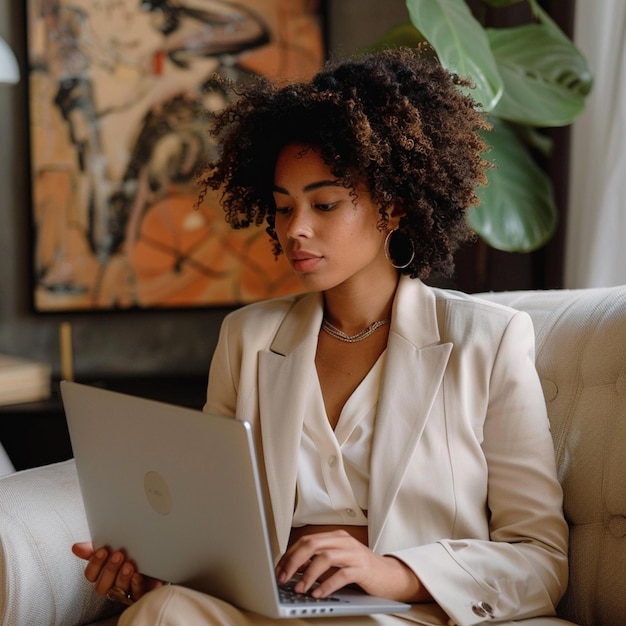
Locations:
{"points": [[338, 334]]}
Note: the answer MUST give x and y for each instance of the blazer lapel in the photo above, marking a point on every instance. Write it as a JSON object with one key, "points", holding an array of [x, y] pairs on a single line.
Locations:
{"points": [[415, 365], [414, 370], [285, 372]]}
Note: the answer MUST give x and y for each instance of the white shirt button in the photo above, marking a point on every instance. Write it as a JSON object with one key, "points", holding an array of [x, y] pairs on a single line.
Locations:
{"points": [[332, 461], [351, 512]]}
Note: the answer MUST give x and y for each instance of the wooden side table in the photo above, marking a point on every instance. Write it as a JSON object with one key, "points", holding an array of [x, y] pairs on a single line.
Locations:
{"points": [[35, 433]]}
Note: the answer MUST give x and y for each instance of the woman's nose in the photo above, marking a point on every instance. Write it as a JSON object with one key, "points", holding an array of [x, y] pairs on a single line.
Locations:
{"points": [[299, 224]]}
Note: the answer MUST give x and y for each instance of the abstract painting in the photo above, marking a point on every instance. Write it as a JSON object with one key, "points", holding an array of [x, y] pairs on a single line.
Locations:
{"points": [[120, 93]]}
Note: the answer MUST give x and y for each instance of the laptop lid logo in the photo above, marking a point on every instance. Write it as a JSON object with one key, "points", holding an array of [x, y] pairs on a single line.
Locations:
{"points": [[158, 493]]}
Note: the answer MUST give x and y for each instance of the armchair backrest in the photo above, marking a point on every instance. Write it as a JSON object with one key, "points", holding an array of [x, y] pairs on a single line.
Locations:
{"points": [[581, 359]]}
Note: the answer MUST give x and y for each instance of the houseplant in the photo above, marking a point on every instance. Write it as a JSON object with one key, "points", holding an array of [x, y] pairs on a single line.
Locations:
{"points": [[527, 78]]}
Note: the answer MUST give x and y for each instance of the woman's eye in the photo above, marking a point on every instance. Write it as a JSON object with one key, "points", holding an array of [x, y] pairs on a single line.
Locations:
{"points": [[326, 207], [283, 210]]}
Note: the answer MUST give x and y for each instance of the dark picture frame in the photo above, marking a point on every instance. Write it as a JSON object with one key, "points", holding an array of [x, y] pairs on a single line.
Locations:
{"points": [[119, 95]]}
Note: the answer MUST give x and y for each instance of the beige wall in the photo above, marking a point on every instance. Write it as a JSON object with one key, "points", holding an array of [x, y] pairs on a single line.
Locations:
{"points": [[119, 343]]}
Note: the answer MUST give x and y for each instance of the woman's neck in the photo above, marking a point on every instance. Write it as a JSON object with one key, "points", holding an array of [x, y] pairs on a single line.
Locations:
{"points": [[351, 307]]}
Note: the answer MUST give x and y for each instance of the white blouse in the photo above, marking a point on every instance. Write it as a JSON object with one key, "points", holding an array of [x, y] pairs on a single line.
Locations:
{"points": [[333, 467]]}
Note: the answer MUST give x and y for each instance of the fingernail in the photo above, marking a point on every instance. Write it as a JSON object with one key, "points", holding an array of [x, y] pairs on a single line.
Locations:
{"points": [[116, 558], [127, 569], [101, 554]]}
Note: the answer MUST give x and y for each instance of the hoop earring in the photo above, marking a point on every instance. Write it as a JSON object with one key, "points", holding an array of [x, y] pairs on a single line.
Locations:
{"points": [[396, 251]]}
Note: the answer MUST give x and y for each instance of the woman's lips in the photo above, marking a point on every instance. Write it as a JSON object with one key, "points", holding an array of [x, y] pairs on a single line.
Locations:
{"points": [[304, 261]]}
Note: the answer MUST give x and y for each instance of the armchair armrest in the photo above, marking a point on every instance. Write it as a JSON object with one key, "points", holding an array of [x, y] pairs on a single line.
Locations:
{"points": [[41, 581]]}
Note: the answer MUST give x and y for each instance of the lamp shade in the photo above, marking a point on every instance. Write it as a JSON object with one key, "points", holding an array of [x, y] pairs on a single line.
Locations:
{"points": [[9, 69]]}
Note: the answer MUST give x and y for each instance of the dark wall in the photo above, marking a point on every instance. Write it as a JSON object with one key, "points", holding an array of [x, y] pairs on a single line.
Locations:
{"points": [[182, 341], [119, 343]]}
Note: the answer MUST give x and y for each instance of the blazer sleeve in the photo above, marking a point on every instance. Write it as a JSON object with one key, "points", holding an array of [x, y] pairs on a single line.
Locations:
{"points": [[223, 380], [232, 386], [521, 571]]}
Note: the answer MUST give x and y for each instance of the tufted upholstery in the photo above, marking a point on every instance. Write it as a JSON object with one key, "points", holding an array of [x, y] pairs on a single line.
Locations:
{"points": [[41, 582], [581, 358]]}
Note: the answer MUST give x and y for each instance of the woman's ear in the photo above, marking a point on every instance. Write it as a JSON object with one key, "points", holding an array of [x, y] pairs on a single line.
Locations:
{"points": [[396, 214]]}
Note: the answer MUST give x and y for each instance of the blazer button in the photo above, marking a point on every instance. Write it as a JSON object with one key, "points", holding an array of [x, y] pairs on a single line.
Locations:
{"points": [[482, 609]]}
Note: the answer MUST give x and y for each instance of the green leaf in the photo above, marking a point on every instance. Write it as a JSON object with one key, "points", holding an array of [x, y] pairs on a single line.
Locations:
{"points": [[581, 79], [545, 78], [405, 35], [502, 3], [517, 211], [535, 139], [461, 44]]}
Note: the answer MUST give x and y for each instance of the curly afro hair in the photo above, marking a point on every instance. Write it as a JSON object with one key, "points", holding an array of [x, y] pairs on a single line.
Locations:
{"points": [[393, 120]]}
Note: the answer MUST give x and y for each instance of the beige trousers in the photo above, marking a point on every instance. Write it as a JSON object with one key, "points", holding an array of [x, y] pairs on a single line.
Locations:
{"points": [[178, 606]]}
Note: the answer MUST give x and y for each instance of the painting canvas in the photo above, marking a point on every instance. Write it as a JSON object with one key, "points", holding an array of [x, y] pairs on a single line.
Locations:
{"points": [[120, 93]]}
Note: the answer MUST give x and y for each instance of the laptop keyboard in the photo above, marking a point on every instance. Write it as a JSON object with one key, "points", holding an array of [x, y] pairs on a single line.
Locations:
{"points": [[288, 595]]}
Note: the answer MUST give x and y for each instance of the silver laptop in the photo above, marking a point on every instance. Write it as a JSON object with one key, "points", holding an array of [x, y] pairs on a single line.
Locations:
{"points": [[179, 491]]}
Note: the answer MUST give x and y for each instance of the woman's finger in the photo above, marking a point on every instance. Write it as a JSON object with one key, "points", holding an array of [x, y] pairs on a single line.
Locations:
{"points": [[83, 550], [109, 573], [138, 586], [95, 564], [123, 580], [315, 555], [339, 577]]}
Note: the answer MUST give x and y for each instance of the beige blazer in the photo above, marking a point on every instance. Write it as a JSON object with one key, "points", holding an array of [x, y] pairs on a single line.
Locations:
{"points": [[463, 483]]}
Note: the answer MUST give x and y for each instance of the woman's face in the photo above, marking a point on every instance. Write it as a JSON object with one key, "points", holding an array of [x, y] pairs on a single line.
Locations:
{"points": [[329, 236]]}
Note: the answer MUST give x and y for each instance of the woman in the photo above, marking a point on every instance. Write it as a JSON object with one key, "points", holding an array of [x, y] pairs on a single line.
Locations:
{"points": [[401, 429]]}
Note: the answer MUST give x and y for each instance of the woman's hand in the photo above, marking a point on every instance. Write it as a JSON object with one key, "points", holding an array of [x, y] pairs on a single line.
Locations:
{"points": [[112, 571], [336, 559]]}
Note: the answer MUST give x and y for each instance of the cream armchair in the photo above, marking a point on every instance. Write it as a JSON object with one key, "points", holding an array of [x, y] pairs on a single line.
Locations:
{"points": [[581, 358], [6, 467]]}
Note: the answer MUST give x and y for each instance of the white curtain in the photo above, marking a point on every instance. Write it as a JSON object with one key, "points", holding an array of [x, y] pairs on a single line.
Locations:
{"points": [[596, 222]]}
